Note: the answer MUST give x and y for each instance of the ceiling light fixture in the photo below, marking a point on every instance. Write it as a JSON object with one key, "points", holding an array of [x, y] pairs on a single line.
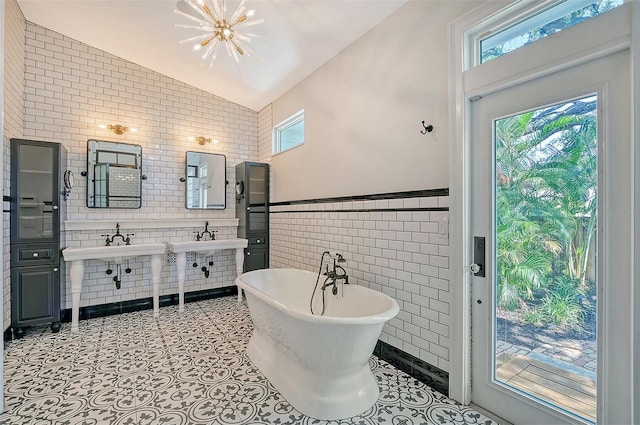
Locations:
{"points": [[118, 129], [211, 18]]}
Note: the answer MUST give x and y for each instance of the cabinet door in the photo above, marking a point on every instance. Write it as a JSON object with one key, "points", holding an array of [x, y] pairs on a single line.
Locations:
{"points": [[34, 191], [255, 258], [258, 198], [35, 295]]}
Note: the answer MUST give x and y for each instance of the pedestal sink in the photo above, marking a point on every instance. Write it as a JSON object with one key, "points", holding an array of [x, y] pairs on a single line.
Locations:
{"points": [[205, 248], [112, 254]]}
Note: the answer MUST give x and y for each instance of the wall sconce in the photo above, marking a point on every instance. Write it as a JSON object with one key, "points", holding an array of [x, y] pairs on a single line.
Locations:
{"points": [[204, 140], [118, 129]]}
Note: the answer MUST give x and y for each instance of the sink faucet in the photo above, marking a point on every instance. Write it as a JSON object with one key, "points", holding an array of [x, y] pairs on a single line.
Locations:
{"points": [[110, 239], [206, 231]]}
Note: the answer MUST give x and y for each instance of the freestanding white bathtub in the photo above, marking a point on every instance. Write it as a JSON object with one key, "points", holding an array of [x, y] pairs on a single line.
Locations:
{"points": [[320, 364]]}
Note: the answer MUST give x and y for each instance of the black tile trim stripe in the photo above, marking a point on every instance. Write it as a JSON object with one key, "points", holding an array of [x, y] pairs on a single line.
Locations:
{"points": [[372, 197], [363, 210], [428, 374]]}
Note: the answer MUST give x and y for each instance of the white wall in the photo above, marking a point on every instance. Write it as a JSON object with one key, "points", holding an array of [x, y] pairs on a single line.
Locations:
{"points": [[364, 108], [71, 88], [14, 30], [363, 114]]}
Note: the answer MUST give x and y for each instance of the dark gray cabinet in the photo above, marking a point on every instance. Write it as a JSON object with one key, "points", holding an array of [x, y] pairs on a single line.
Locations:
{"points": [[36, 202], [252, 211]]}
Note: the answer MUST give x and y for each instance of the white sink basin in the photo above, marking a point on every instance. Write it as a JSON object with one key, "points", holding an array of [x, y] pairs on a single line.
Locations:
{"points": [[206, 247], [113, 254]]}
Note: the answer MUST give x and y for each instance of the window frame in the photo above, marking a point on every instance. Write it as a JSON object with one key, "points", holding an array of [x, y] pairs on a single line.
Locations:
{"points": [[282, 126]]}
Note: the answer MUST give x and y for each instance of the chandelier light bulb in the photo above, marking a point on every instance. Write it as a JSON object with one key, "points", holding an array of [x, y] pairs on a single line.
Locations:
{"points": [[216, 28]]}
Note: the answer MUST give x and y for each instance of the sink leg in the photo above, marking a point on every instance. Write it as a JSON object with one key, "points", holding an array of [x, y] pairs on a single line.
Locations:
{"points": [[156, 266], [239, 268], [181, 266], [77, 274]]}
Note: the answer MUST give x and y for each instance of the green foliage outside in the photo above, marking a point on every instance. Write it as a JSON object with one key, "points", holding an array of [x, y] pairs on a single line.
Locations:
{"points": [[595, 8], [546, 212]]}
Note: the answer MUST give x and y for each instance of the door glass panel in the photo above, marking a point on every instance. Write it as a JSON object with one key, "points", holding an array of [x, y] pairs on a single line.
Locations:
{"points": [[36, 192], [546, 187], [258, 199], [562, 15]]}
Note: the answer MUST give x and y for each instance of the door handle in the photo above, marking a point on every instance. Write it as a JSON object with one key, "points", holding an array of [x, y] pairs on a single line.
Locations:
{"points": [[477, 268]]}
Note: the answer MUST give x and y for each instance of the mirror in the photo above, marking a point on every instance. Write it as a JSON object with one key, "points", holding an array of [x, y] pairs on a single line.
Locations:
{"points": [[206, 183], [114, 175]]}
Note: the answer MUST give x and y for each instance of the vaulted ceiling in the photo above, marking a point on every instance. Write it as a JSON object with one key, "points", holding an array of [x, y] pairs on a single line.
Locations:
{"points": [[298, 36]]}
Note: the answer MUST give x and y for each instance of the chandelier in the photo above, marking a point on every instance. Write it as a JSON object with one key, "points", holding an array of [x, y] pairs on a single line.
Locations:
{"points": [[210, 17]]}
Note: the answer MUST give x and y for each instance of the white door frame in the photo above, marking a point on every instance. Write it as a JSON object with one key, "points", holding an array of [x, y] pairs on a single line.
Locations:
{"points": [[635, 134], [464, 86]]}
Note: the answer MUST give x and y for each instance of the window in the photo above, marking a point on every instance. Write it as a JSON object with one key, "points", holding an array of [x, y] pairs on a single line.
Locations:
{"points": [[539, 23], [289, 133]]}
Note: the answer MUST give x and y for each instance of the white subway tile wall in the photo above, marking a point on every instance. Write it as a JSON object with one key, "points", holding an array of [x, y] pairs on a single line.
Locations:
{"points": [[71, 89], [402, 253], [265, 127], [14, 28]]}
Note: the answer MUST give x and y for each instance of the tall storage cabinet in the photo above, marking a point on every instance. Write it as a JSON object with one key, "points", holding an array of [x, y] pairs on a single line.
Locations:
{"points": [[36, 203], [252, 211]]}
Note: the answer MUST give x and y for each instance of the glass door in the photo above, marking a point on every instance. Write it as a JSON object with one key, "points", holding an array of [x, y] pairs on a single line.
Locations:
{"points": [[548, 166], [37, 218]]}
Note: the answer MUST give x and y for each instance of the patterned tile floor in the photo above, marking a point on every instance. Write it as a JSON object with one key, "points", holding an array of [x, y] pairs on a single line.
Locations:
{"points": [[188, 368]]}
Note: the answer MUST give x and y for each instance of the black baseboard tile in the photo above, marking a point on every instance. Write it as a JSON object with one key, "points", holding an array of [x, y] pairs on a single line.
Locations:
{"points": [[109, 309], [428, 374], [102, 310]]}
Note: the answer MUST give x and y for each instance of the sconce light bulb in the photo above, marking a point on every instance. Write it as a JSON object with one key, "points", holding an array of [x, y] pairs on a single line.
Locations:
{"points": [[133, 130], [215, 141], [102, 126]]}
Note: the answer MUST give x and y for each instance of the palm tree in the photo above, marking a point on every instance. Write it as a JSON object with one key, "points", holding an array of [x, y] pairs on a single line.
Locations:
{"points": [[546, 178]]}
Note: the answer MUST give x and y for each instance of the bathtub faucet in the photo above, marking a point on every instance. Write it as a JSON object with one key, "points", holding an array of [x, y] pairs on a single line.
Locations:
{"points": [[338, 273]]}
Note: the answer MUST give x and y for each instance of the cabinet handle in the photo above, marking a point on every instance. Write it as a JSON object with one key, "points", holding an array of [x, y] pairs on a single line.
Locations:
{"points": [[55, 269], [55, 207], [35, 254], [258, 240], [248, 253]]}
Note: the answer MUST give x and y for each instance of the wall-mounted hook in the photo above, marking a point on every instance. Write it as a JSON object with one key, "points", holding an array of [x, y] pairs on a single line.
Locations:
{"points": [[83, 173], [182, 179], [143, 177], [426, 128]]}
